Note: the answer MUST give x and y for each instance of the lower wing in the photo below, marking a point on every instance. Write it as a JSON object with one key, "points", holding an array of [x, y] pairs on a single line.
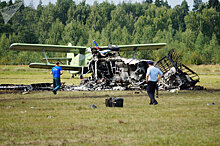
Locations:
{"points": [[64, 67]]}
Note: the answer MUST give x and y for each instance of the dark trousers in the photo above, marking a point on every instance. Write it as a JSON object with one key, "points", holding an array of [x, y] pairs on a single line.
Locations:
{"points": [[56, 84], [151, 86]]}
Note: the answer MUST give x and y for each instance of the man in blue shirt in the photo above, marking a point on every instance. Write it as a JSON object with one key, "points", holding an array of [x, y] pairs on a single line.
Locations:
{"points": [[56, 71], [151, 80]]}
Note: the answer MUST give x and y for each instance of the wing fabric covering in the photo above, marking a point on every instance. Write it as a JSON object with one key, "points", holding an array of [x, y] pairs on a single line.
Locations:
{"points": [[63, 48], [47, 48], [64, 67], [138, 47]]}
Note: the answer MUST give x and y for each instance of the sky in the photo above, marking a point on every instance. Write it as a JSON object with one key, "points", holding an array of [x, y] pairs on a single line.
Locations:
{"points": [[173, 3]]}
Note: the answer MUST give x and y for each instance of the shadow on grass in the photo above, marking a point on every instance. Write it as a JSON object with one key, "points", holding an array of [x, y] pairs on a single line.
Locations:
{"points": [[72, 97]]}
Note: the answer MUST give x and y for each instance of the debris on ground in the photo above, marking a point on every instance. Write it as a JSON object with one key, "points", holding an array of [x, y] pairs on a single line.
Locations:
{"points": [[22, 112], [49, 117], [93, 106], [112, 72], [211, 103], [114, 102], [25, 89]]}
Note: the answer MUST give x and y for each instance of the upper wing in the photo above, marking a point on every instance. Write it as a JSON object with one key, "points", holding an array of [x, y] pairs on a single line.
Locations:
{"points": [[137, 47], [56, 59], [45, 47]]}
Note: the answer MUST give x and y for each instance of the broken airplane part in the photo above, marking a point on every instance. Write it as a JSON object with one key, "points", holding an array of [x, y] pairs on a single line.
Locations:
{"points": [[176, 75]]}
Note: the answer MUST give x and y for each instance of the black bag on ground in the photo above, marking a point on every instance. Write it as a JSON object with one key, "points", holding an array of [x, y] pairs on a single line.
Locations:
{"points": [[114, 102]]}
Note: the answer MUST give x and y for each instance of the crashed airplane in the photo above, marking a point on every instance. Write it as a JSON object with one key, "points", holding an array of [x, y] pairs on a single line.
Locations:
{"points": [[111, 71]]}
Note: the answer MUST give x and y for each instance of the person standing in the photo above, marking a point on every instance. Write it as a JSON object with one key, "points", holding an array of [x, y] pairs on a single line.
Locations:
{"points": [[56, 71], [152, 77]]}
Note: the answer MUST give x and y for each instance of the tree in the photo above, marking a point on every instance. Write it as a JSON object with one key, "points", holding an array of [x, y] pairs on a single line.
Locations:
{"points": [[45, 21], [165, 4], [79, 13], [3, 45], [200, 41], [189, 41], [94, 20], [106, 34], [192, 21], [10, 3], [3, 4], [215, 48], [149, 1], [209, 23], [61, 8], [75, 33], [39, 9], [55, 33], [196, 4], [158, 3], [214, 4], [184, 9], [118, 17]]}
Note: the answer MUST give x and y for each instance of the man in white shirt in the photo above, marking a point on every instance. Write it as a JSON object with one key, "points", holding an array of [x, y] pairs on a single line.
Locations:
{"points": [[152, 77]]}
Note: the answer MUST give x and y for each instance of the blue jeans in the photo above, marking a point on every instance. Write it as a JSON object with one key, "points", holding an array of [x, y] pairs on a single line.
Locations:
{"points": [[56, 84]]}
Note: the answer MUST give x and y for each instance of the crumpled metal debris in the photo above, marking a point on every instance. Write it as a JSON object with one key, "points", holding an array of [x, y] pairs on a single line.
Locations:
{"points": [[93, 106], [211, 103], [176, 75], [26, 88], [112, 72]]}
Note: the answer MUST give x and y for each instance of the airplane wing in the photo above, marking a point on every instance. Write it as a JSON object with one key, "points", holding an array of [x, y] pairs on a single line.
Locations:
{"points": [[56, 59], [64, 67], [137, 47], [46, 47]]}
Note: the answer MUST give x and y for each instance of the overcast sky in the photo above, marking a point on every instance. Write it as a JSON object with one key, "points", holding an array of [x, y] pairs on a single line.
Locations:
{"points": [[173, 3]]}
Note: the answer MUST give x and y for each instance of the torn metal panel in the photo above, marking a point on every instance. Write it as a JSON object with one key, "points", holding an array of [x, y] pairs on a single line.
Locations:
{"points": [[176, 74], [20, 87]]}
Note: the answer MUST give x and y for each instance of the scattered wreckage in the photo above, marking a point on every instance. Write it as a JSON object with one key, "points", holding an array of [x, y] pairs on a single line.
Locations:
{"points": [[110, 71], [15, 88]]}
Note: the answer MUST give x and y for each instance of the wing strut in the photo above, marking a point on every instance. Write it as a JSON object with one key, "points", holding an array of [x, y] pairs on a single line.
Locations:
{"points": [[135, 52], [81, 75], [46, 56]]}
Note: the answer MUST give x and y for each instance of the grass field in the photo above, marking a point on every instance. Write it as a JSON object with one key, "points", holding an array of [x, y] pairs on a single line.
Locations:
{"points": [[40, 118]]}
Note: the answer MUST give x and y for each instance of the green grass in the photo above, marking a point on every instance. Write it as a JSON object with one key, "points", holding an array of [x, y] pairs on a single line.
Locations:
{"points": [[40, 118]]}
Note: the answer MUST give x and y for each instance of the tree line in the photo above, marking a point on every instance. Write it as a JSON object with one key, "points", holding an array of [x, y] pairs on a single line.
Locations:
{"points": [[195, 35]]}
